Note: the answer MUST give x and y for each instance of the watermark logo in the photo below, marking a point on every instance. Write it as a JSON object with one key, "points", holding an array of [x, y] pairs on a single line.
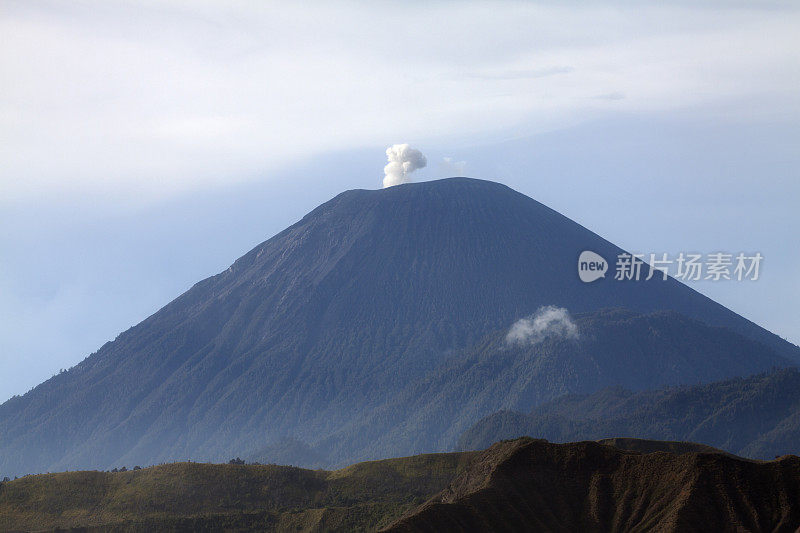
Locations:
{"points": [[684, 266], [591, 266]]}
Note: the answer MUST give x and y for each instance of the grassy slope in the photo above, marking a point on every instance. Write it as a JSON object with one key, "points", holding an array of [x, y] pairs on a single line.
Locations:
{"points": [[188, 496]]}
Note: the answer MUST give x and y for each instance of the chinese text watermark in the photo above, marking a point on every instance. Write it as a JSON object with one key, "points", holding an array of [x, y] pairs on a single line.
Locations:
{"points": [[715, 266]]}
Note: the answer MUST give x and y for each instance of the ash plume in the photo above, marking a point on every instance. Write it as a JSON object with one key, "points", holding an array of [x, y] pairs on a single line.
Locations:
{"points": [[403, 160]]}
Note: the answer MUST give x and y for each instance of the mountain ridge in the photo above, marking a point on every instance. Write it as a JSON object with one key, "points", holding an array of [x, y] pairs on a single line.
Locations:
{"points": [[399, 494], [534, 485], [756, 416]]}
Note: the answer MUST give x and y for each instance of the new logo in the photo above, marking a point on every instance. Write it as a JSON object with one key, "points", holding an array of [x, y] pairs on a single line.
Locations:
{"points": [[591, 266]]}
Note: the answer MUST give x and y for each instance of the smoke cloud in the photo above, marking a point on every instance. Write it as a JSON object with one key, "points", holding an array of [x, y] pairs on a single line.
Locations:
{"points": [[547, 321], [403, 160]]}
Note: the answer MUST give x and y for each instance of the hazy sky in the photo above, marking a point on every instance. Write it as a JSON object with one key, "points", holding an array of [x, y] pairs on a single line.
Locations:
{"points": [[146, 145]]}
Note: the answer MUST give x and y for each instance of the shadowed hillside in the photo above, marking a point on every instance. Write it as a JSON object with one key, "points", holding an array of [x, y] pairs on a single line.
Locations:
{"points": [[529, 485], [756, 417]]}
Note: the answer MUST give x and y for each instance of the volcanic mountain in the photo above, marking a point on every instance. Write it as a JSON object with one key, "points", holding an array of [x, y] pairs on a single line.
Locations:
{"points": [[344, 315]]}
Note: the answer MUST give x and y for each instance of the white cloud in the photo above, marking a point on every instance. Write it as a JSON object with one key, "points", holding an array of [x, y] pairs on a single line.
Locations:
{"points": [[548, 321], [153, 98]]}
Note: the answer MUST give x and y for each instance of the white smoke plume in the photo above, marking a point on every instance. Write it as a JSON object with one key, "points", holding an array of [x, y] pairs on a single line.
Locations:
{"points": [[403, 160], [547, 321]]}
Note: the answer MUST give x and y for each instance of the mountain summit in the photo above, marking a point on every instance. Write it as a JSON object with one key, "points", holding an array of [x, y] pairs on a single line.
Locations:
{"points": [[340, 316]]}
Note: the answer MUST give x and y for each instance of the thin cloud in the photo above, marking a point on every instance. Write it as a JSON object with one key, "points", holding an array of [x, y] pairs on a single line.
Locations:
{"points": [[141, 100], [520, 74], [610, 96], [448, 167], [547, 322]]}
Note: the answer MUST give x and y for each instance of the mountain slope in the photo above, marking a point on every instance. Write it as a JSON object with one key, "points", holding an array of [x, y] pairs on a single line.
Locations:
{"points": [[755, 417], [613, 347], [529, 485], [321, 324]]}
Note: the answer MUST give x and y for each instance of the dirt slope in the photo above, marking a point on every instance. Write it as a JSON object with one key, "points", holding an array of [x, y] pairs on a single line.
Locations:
{"points": [[533, 485]]}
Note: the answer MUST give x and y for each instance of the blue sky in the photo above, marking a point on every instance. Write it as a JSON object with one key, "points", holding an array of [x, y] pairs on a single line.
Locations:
{"points": [[147, 145]]}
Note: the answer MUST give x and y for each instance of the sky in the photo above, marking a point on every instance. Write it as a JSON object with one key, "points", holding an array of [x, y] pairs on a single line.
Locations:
{"points": [[146, 145]]}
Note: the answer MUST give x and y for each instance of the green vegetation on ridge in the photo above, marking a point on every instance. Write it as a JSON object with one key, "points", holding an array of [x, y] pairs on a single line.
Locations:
{"points": [[619, 484], [188, 496]]}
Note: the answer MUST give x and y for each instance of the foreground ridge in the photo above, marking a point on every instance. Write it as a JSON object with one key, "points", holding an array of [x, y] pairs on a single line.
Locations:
{"points": [[533, 485], [522, 484]]}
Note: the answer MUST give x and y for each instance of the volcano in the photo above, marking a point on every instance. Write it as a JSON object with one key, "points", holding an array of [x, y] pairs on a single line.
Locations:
{"points": [[375, 303]]}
